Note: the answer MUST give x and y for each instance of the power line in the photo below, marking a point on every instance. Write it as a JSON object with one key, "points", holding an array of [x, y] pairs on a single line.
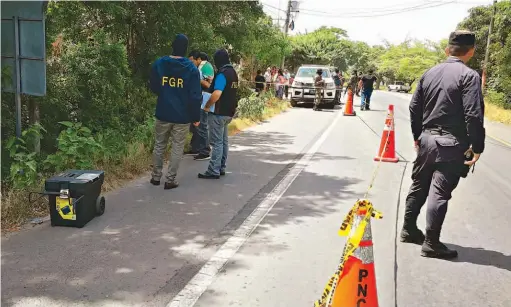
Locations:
{"points": [[410, 9], [377, 12], [273, 7], [373, 10], [372, 13]]}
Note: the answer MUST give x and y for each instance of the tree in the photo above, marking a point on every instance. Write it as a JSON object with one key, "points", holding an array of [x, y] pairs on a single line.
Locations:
{"points": [[499, 63], [407, 61], [323, 46]]}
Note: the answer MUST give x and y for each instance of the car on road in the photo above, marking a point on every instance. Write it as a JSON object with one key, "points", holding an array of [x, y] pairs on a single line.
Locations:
{"points": [[399, 87], [303, 89]]}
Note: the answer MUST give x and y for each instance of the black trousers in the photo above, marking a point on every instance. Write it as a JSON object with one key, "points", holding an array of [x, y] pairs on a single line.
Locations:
{"points": [[436, 173], [195, 141]]}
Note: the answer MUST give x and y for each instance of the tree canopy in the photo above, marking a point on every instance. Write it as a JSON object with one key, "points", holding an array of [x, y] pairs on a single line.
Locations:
{"points": [[499, 64]]}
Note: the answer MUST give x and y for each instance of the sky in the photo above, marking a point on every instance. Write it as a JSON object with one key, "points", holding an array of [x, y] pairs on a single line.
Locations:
{"points": [[434, 23]]}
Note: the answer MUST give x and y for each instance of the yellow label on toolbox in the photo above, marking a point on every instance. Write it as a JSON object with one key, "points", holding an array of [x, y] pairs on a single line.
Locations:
{"points": [[65, 208]]}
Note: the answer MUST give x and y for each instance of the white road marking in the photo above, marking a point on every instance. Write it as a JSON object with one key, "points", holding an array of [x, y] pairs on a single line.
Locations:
{"points": [[189, 295]]}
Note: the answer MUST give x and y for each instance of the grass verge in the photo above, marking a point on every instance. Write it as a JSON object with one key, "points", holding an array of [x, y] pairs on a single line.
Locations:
{"points": [[497, 114], [17, 210]]}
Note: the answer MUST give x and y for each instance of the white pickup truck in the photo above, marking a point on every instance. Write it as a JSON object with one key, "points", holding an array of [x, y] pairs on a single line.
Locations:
{"points": [[399, 87]]}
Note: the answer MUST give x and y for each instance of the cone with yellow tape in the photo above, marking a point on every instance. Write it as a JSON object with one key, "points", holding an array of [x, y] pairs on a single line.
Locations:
{"points": [[354, 282]]}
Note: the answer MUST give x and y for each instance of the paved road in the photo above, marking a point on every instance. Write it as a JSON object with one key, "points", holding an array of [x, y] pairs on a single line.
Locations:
{"points": [[290, 181]]}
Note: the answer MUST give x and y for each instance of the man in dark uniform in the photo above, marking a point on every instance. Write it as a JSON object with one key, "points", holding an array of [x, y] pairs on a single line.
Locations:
{"points": [[447, 112]]}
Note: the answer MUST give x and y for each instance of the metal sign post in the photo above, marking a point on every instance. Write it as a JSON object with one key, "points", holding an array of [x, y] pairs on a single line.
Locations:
{"points": [[23, 51], [17, 71]]}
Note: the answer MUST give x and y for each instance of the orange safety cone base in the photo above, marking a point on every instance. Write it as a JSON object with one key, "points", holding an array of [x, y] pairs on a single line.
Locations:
{"points": [[348, 108], [357, 285], [387, 151], [394, 160]]}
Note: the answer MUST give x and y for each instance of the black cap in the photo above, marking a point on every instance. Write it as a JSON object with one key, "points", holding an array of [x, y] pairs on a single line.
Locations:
{"points": [[462, 38], [319, 71]]}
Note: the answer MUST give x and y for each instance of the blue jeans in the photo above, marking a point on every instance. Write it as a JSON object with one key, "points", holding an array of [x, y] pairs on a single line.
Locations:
{"points": [[280, 92], [365, 97], [218, 133]]}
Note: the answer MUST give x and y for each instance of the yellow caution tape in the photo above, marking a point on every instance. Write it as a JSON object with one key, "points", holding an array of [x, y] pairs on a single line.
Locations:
{"points": [[352, 244], [353, 241]]}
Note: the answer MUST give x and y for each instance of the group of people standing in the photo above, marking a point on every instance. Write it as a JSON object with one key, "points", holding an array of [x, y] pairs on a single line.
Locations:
{"points": [[191, 96], [274, 79], [361, 85]]}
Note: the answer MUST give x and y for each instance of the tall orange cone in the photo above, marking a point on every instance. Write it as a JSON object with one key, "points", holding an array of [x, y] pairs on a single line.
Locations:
{"points": [[348, 108], [354, 283], [357, 285], [387, 151]]}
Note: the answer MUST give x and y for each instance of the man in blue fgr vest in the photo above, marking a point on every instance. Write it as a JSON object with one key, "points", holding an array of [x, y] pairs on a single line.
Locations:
{"points": [[175, 80], [223, 98]]}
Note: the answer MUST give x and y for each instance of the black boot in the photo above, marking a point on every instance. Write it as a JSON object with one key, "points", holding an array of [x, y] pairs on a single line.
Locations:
{"points": [[412, 235], [433, 248]]}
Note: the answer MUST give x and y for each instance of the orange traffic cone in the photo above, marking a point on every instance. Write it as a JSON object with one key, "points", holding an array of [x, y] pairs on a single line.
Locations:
{"points": [[348, 108], [357, 285], [387, 151], [354, 283]]}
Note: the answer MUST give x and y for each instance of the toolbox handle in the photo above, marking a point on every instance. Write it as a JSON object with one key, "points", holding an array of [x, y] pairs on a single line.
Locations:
{"points": [[47, 193], [41, 195]]}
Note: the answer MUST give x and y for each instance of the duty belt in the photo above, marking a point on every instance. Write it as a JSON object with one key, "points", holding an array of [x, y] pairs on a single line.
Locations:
{"points": [[439, 131]]}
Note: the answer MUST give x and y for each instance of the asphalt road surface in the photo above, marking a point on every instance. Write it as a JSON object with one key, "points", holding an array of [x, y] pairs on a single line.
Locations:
{"points": [[266, 234]]}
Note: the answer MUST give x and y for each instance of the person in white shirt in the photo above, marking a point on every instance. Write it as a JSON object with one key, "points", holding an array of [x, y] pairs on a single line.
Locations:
{"points": [[267, 77]]}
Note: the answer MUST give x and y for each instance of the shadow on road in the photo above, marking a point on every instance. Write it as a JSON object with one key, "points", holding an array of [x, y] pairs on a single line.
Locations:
{"points": [[150, 242], [481, 256]]}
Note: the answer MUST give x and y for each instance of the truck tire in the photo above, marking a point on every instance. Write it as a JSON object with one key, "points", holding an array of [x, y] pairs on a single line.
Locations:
{"points": [[294, 103]]}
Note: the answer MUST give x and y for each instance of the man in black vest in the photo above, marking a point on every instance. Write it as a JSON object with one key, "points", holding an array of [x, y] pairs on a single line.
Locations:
{"points": [[223, 98]]}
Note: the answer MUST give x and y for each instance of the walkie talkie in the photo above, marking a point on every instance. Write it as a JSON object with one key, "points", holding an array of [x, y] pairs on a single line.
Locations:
{"points": [[469, 155]]}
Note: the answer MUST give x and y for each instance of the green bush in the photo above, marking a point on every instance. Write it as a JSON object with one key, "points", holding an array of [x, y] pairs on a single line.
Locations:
{"points": [[23, 170], [498, 99], [251, 107], [76, 148], [92, 80], [244, 90]]}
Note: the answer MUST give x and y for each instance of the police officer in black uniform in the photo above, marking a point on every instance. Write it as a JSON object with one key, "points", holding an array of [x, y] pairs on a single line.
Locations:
{"points": [[446, 112]]}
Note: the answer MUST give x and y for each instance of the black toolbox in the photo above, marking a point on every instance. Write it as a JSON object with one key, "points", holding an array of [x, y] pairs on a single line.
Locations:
{"points": [[74, 197]]}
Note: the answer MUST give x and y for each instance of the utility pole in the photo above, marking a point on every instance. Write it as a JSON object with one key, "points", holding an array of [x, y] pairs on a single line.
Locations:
{"points": [[286, 27], [487, 54]]}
